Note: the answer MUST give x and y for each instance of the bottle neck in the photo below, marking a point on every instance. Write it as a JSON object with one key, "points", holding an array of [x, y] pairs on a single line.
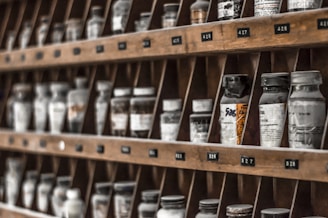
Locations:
{"points": [[59, 94]]}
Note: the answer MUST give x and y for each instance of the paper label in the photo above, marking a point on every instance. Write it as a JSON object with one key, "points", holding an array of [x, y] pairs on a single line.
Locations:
{"points": [[118, 23], [266, 7], [22, 115], [199, 130], [226, 9], [198, 16], [57, 114], [122, 205], [119, 121], [101, 115], [303, 4], [141, 122], [40, 115], [28, 194], [169, 131]]}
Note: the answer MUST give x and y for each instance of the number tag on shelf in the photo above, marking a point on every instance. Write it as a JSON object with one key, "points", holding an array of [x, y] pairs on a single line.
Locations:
{"points": [[11, 140], [100, 49], [57, 53], [176, 40], [243, 32], [23, 57], [153, 153], [25, 142], [78, 148], [146, 43], [122, 46], [43, 143], [207, 36], [39, 55], [291, 164], [212, 156], [247, 161], [126, 149], [282, 28], [7, 59], [181, 156], [76, 51], [322, 24], [100, 149]]}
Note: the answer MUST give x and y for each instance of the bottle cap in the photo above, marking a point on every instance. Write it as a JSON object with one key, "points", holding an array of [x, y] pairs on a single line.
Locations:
{"points": [[104, 85], [235, 85], [44, 19], [103, 187], [172, 200], [59, 26], [143, 91], [150, 195], [122, 92], [64, 181], [22, 87], [209, 204], [41, 88], [172, 104], [276, 212], [145, 14], [73, 21], [81, 82], [202, 105], [306, 78], [47, 177], [97, 10], [171, 7], [59, 86], [124, 186], [73, 193], [275, 79], [239, 209], [32, 174]]}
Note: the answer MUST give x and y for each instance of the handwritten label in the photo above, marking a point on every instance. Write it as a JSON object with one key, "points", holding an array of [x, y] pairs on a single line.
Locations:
{"points": [[76, 51], [146, 43], [100, 149], [7, 59], [122, 46], [22, 57], [322, 24], [247, 161], [153, 153], [282, 28], [57, 53], [181, 156], [43, 143], [291, 164], [25, 142], [243, 32], [11, 140], [78, 148], [212, 156], [176, 40], [207, 36], [39, 55], [125, 150], [100, 49]]}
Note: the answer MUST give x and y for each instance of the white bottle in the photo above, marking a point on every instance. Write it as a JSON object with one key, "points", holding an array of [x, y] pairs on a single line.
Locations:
{"points": [[102, 104], [100, 200], [58, 197], [29, 186], [74, 206], [40, 106], [44, 190]]}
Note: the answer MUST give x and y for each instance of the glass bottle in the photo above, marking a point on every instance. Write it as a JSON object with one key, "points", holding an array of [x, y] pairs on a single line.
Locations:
{"points": [[143, 23], [95, 24], [208, 208], [58, 197], [57, 33], [10, 108], [42, 31], [266, 7], [301, 5], [25, 36], [13, 178], [73, 29], [123, 198], [229, 9], [148, 207], [102, 104], [170, 119], [120, 109], [29, 187], [22, 107], [120, 14], [198, 11], [10, 40], [239, 210], [306, 110], [200, 120], [44, 191], [170, 15], [233, 108], [2, 189], [172, 206], [57, 106], [272, 108], [100, 200], [74, 206], [275, 213], [41, 104], [141, 111]]}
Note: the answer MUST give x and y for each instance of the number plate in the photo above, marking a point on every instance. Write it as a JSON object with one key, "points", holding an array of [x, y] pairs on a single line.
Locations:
{"points": [[122, 46], [207, 36], [146, 43], [153, 153], [291, 164], [181, 156], [212, 156], [125, 150], [243, 32], [76, 51], [100, 49], [282, 28], [247, 161], [176, 40], [57, 53], [39, 55], [322, 24]]}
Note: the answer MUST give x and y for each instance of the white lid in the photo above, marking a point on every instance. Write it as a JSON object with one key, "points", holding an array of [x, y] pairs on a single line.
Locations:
{"points": [[202, 105], [81, 82], [41, 88], [275, 211], [22, 87], [143, 91], [123, 91], [73, 193], [172, 104], [59, 86], [103, 85]]}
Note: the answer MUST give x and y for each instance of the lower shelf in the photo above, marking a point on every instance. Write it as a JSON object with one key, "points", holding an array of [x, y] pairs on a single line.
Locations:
{"points": [[7, 211]]}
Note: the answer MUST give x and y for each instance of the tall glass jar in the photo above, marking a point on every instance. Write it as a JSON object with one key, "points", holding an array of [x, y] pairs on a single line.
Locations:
{"points": [[120, 14], [233, 108], [148, 207], [95, 24], [58, 32], [229, 9], [198, 11], [74, 206], [25, 35], [172, 206], [29, 187], [170, 119], [239, 210], [301, 5], [275, 213], [10, 42], [170, 15], [100, 200], [208, 208], [10, 107], [141, 111], [13, 177], [44, 191], [42, 31], [272, 108], [41, 104], [306, 110], [123, 198], [120, 109], [102, 104], [22, 107], [73, 29], [266, 7], [58, 197], [143, 23]]}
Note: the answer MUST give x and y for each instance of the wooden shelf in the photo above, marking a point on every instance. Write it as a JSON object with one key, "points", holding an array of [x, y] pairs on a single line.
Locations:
{"points": [[305, 29], [7, 211]]}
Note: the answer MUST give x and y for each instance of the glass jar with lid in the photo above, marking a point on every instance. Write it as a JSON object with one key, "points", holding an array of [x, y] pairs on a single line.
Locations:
{"points": [[10, 42], [57, 33], [170, 119], [239, 210], [272, 108], [73, 29], [266, 7], [22, 107], [208, 208], [143, 23], [170, 15], [42, 30], [58, 197], [123, 198], [29, 187], [102, 102], [120, 14], [120, 109], [41, 103], [198, 11], [141, 111], [44, 190], [25, 35], [100, 200], [306, 110], [148, 207], [74, 206], [301, 5], [13, 176], [95, 24], [172, 206], [229, 9], [275, 213]]}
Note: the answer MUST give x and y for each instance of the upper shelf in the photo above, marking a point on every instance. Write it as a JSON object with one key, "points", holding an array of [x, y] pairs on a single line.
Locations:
{"points": [[297, 29]]}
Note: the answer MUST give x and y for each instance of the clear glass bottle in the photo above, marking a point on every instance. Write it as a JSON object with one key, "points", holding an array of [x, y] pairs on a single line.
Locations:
{"points": [[95, 24], [100, 200], [2, 189], [148, 207], [266, 7], [58, 197], [275, 213], [73, 30], [74, 206], [301, 5], [200, 120], [123, 198], [170, 119], [41, 104], [141, 111], [102, 104], [29, 187], [172, 206], [233, 108], [170, 15], [229, 9], [198, 11], [120, 109], [272, 108], [120, 14], [10, 108], [22, 107], [44, 191], [11, 36], [42, 31], [13, 177], [57, 106], [143, 23], [25, 35], [208, 208], [306, 110], [239, 210], [58, 32]]}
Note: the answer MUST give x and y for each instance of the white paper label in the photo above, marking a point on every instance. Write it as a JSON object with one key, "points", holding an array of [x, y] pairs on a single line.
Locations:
{"points": [[22, 116], [57, 113], [119, 121], [40, 115], [101, 115], [226, 9], [122, 205], [199, 131], [28, 194], [42, 200], [303, 4], [266, 7], [272, 120], [169, 131], [118, 23], [141, 122]]}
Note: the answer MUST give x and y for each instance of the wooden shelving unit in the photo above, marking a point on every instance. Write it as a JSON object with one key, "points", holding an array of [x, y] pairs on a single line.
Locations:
{"points": [[185, 62]]}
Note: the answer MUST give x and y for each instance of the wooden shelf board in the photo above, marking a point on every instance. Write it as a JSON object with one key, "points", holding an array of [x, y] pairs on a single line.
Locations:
{"points": [[7, 211]]}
